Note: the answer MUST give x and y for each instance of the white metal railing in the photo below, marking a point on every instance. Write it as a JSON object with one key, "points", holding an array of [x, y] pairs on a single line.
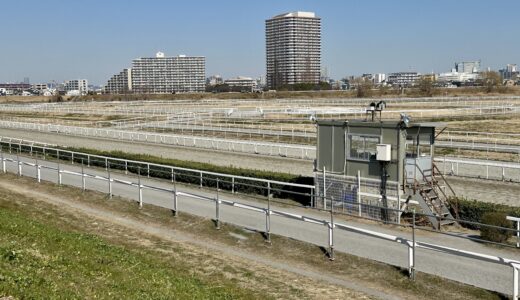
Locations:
{"points": [[492, 170], [253, 147], [331, 225], [125, 163]]}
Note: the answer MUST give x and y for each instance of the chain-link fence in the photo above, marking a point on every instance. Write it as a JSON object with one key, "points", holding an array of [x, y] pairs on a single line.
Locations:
{"points": [[357, 196]]}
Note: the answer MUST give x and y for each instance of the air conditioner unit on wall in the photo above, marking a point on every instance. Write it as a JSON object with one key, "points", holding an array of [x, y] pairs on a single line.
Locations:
{"points": [[384, 152]]}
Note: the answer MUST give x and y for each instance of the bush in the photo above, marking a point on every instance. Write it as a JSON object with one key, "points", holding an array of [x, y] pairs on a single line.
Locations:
{"points": [[495, 234], [301, 195], [474, 211]]}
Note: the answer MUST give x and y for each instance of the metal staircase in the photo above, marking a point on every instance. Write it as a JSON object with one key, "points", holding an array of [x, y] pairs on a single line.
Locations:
{"points": [[432, 194]]}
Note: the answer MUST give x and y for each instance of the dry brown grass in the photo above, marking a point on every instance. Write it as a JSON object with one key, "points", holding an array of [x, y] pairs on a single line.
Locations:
{"points": [[376, 93]]}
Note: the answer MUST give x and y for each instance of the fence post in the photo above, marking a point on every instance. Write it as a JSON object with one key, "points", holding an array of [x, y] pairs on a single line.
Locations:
{"points": [[398, 203], [515, 280], [217, 208], [411, 251], [359, 192], [268, 215], [59, 175], [83, 186], [331, 233], [109, 177], [174, 210], [148, 170], [38, 174], [19, 165], [200, 179], [140, 189], [3, 162], [313, 201], [233, 184], [324, 190], [126, 166]]}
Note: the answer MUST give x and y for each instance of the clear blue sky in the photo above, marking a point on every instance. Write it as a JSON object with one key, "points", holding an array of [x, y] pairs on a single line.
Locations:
{"points": [[94, 39]]}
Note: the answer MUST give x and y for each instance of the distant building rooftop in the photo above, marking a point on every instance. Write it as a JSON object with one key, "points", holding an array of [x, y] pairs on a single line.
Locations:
{"points": [[299, 14]]}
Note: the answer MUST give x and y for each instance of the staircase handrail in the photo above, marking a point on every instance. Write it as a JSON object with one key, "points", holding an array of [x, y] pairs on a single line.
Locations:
{"points": [[443, 178]]}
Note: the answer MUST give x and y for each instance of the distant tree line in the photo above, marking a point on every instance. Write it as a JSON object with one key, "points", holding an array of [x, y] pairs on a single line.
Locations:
{"points": [[321, 86]]}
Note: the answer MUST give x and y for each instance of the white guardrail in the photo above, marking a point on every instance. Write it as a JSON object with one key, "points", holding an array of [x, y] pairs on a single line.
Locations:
{"points": [[490, 170], [265, 184], [263, 148], [126, 162], [412, 245]]}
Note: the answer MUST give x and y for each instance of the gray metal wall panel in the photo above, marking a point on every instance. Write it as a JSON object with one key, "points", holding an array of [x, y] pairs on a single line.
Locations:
{"points": [[339, 149], [365, 130], [325, 143]]}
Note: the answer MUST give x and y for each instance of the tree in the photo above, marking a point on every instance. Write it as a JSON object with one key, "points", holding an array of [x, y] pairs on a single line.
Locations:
{"points": [[425, 85], [490, 80], [384, 89], [364, 87]]}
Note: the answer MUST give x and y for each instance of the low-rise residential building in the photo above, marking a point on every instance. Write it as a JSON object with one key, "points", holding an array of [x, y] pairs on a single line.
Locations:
{"points": [[403, 79], [456, 77], [242, 84], [40, 86]]}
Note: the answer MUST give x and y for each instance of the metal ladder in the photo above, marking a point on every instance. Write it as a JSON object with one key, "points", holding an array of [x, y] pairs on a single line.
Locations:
{"points": [[432, 197]]}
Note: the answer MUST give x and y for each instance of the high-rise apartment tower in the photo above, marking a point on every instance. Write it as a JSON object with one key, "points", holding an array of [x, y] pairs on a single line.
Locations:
{"points": [[293, 49]]}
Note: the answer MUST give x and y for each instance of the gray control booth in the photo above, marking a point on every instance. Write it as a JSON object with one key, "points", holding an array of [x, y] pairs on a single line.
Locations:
{"points": [[377, 168], [346, 147]]}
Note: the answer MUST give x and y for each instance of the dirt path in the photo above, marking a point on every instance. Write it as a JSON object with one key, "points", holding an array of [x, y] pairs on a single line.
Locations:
{"points": [[314, 282]]}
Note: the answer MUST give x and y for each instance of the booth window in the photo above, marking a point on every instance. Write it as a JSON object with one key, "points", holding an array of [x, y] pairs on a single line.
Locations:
{"points": [[363, 147]]}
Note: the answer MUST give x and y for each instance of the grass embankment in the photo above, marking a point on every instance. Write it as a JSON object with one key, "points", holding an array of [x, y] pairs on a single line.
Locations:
{"points": [[266, 281], [40, 258]]}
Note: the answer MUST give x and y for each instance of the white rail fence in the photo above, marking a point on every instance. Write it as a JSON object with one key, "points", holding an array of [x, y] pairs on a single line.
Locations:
{"points": [[367, 205], [491, 170], [126, 165], [332, 226], [219, 144]]}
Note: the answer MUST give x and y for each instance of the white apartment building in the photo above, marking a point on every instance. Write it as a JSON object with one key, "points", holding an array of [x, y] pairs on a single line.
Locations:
{"points": [[166, 75], [241, 83], [120, 83], [403, 79], [455, 76], [80, 85], [293, 49], [468, 66], [40, 86]]}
